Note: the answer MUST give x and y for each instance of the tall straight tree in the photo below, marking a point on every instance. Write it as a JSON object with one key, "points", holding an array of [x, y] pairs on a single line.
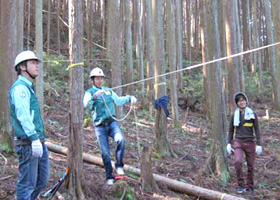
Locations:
{"points": [[171, 35], [114, 45], [9, 48], [39, 53], [239, 49], [179, 43], [75, 139], [204, 52], [256, 43], [89, 19], [231, 40], [246, 29], [128, 44], [139, 48], [272, 54], [150, 55], [162, 143], [216, 161], [275, 5]]}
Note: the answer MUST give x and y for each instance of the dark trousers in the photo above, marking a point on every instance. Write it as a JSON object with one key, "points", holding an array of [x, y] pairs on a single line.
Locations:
{"points": [[249, 148]]}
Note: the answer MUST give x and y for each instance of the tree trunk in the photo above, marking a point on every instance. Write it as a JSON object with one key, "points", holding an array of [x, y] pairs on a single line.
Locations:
{"points": [[162, 144], [205, 57], [139, 48], [256, 43], [179, 42], [89, 32], [238, 50], [28, 23], [39, 53], [9, 48], [233, 78], [276, 20], [128, 42], [150, 56], [114, 47], [75, 139], [216, 161], [222, 17], [171, 38], [58, 25], [147, 179], [272, 54]]}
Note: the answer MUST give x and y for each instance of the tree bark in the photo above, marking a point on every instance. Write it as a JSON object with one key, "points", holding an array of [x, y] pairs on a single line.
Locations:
{"points": [[216, 161], [147, 179], [275, 5], [231, 40], [39, 53], [9, 48], [139, 48], [272, 54], [150, 56], [128, 45], [205, 57], [162, 143], [238, 46], [171, 38], [179, 43], [114, 47], [75, 139]]}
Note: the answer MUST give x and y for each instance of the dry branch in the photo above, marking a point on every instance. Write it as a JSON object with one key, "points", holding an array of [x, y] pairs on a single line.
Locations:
{"points": [[172, 184]]}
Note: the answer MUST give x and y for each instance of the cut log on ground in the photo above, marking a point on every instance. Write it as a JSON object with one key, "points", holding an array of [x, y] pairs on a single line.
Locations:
{"points": [[178, 186]]}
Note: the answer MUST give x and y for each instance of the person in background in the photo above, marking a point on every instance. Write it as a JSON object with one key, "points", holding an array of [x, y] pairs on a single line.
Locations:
{"points": [[244, 134], [28, 126], [101, 100]]}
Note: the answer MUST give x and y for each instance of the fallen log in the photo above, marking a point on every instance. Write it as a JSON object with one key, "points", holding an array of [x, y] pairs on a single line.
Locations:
{"points": [[178, 186]]}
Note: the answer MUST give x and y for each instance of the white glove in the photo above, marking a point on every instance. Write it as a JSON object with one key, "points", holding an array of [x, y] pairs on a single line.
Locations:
{"points": [[37, 148], [99, 93], [133, 100], [258, 150], [229, 149]]}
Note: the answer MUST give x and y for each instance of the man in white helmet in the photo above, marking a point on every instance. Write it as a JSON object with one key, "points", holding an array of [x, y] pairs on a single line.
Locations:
{"points": [[29, 129], [105, 125]]}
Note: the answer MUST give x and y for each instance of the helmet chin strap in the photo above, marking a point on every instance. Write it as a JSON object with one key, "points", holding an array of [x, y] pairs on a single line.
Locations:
{"points": [[33, 77]]}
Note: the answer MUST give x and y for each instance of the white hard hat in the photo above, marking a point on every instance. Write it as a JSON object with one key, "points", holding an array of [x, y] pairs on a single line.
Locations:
{"points": [[25, 55], [96, 72]]}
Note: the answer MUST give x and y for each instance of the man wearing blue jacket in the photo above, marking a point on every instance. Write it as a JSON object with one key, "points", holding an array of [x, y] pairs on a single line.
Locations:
{"points": [[100, 100], [29, 129]]}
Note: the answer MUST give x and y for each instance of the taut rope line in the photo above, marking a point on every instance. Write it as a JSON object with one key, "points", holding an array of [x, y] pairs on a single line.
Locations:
{"points": [[199, 65], [131, 106]]}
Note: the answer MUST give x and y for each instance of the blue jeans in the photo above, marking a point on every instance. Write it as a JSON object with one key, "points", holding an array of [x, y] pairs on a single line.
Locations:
{"points": [[102, 133], [34, 172]]}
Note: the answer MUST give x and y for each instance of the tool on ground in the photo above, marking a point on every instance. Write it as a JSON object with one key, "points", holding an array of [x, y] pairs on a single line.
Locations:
{"points": [[51, 192]]}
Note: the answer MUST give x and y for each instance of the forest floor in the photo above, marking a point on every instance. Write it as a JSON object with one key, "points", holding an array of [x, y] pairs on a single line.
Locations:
{"points": [[191, 144]]}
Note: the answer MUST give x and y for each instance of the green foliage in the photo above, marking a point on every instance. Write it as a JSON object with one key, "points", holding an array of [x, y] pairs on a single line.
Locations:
{"points": [[5, 147], [252, 83], [225, 176], [193, 82], [263, 185], [157, 155]]}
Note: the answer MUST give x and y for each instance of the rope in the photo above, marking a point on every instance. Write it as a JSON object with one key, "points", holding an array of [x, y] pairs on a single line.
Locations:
{"points": [[111, 113], [199, 65]]}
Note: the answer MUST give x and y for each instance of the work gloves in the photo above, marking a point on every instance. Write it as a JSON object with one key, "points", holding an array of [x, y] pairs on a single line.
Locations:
{"points": [[99, 93], [229, 149], [258, 150], [37, 148], [133, 100]]}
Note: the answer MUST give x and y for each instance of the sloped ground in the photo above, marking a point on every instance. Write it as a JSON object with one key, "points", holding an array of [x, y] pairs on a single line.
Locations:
{"points": [[191, 144]]}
